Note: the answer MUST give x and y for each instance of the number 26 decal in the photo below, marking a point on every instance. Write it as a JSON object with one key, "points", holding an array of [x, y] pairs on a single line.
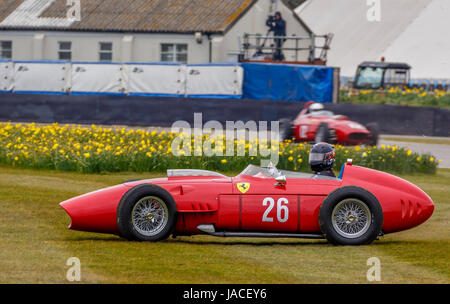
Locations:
{"points": [[282, 209]]}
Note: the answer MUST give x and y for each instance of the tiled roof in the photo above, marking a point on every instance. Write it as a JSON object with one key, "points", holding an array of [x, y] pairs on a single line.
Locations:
{"points": [[176, 16]]}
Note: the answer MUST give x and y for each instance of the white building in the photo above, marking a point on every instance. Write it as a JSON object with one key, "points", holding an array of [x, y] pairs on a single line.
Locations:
{"points": [[187, 31], [411, 31]]}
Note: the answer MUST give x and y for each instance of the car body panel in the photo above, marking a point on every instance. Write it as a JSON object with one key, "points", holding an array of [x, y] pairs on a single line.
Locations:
{"points": [[404, 204]]}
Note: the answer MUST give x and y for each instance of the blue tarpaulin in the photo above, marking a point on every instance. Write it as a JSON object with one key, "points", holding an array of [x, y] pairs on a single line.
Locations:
{"points": [[287, 82]]}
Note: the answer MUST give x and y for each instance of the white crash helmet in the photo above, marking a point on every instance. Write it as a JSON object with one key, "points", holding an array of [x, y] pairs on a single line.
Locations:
{"points": [[315, 107]]}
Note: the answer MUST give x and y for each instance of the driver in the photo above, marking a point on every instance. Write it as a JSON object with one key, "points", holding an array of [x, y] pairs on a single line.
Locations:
{"points": [[321, 159], [315, 107]]}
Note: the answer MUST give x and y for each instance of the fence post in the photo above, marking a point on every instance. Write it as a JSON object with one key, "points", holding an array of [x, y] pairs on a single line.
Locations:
{"points": [[336, 84]]}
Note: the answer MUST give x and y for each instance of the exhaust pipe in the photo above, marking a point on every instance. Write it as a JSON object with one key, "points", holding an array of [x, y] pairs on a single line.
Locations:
{"points": [[210, 230]]}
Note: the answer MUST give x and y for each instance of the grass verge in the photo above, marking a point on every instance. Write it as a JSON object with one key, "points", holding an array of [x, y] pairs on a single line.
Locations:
{"points": [[396, 96], [36, 243]]}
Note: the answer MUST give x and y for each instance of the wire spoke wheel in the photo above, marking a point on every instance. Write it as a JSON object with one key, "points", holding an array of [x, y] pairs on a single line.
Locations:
{"points": [[351, 218], [149, 216]]}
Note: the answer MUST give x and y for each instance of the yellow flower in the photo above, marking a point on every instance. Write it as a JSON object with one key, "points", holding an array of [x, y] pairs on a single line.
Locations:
{"points": [[409, 152], [300, 160], [364, 154], [432, 159], [223, 161], [87, 155], [148, 154], [419, 159], [290, 158]]}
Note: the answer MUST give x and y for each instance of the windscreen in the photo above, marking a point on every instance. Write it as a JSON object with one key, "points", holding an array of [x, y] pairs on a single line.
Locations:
{"points": [[252, 170], [369, 77], [321, 114], [255, 171]]}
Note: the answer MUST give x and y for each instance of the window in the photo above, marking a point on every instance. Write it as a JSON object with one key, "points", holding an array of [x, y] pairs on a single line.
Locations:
{"points": [[65, 50], [174, 52], [369, 77], [396, 76], [5, 49], [105, 54]]}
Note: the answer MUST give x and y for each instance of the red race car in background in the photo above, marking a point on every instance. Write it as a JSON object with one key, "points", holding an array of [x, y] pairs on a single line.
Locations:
{"points": [[353, 209], [314, 124]]}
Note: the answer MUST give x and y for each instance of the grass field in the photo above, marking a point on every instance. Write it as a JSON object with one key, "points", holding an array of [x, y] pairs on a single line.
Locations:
{"points": [[35, 244]]}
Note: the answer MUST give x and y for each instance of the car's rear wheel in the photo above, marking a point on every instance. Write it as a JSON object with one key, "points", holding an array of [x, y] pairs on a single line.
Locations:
{"points": [[351, 216], [146, 213], [322, 134]]}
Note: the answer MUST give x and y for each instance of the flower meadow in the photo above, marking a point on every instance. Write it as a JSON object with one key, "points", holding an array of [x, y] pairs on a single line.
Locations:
{"points": [[398, 96], [97, 149]]}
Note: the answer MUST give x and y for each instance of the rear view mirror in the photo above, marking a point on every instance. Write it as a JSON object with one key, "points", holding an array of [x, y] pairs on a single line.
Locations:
{"points": [[281, 180]]}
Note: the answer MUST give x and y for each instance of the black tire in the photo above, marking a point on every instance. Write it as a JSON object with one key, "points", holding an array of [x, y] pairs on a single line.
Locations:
{"points": [[286, 129], [125, 209], [340, 195], [374, 130], [322, 134], [130, 181]]}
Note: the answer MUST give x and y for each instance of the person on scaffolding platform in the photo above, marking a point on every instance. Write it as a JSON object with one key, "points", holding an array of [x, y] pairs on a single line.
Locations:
{"points": [[277, 25]]}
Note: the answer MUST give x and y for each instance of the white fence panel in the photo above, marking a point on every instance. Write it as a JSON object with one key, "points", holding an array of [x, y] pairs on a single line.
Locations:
{"points": [[6, 75], [38, 76], [214, 80], [156, 79], [98, 78]]}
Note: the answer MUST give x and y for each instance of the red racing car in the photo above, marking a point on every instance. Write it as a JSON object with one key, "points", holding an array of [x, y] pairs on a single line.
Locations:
{"points": [[314, 124], [353, 209]]}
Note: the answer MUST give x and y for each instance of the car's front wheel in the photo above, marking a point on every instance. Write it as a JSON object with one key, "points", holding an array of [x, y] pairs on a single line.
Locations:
{"points": [[374, 130], [146, 213], [351, 216]]}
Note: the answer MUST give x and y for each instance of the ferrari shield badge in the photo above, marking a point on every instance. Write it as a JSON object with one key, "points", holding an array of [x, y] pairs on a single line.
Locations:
{"points": [[243, 187]]}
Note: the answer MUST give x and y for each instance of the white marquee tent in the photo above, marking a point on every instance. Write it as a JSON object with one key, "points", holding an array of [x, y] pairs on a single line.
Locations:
{"points": [[411, 31]]}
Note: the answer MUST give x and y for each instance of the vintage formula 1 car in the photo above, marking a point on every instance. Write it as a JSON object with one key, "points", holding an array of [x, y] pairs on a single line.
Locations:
{"points": [[314, 124], [355, 208]]}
